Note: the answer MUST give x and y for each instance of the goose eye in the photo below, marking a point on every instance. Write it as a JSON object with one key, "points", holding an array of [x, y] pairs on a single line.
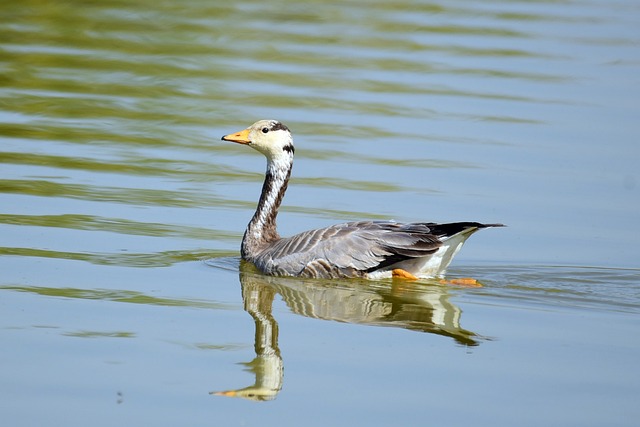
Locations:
{"points": [[265, 130]]}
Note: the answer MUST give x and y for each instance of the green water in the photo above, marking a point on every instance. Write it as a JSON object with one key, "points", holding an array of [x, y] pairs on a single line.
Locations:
{"points": [[122, 298]]}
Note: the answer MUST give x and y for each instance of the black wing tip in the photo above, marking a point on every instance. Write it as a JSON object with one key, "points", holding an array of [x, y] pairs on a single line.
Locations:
{"points": [[491, 225], [472, 225], [452, 228]]}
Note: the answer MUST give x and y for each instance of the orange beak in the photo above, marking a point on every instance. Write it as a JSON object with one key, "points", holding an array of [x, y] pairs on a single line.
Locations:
{"points": [[231, 393], [241, 137]]}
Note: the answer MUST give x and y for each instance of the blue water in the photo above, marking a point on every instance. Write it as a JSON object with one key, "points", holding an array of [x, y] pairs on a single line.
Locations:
{"points": [[123, 300]]}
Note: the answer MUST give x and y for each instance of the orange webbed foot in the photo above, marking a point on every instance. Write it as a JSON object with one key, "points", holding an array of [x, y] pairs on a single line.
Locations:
{"points": [[399, 273], [465, 282]]}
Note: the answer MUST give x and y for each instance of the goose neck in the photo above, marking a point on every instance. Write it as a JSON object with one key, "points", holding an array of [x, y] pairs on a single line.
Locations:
{"points": [[262, 228]]}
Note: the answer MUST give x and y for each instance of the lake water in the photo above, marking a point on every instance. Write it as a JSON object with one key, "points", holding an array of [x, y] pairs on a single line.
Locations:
{"points": [[122, 297]]}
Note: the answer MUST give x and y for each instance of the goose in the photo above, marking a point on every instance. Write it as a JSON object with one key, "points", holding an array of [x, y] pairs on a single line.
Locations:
{"points": [[362, 249]]}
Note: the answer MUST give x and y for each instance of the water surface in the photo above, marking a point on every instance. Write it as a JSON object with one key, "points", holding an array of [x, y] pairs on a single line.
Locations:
{"points": [[122, 297]]}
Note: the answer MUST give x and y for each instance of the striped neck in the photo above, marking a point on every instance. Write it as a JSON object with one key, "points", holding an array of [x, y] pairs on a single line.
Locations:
{"points": [[262, 228]]}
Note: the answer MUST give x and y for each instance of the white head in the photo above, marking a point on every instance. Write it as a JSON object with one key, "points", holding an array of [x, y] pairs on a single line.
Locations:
{"points": [[270, 137]]}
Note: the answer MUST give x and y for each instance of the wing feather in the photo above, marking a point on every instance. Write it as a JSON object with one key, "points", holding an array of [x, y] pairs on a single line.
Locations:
{"points": [[363, 246]]}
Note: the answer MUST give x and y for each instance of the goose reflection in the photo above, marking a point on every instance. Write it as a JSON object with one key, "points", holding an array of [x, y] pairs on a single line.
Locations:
{"points": [[411, 306], [257, 298]]}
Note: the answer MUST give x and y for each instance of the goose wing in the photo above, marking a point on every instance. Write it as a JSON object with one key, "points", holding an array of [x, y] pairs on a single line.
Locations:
{"points": [[354, 248]]}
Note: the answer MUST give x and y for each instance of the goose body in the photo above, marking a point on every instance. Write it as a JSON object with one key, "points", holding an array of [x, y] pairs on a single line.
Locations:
{"points": [[366, 249]]}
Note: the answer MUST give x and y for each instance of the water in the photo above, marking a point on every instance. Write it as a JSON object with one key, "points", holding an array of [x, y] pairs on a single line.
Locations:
{"points": [[122, 298]]}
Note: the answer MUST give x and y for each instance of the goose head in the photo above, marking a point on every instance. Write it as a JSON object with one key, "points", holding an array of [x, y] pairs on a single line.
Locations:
{"points": [[270, 137]]}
